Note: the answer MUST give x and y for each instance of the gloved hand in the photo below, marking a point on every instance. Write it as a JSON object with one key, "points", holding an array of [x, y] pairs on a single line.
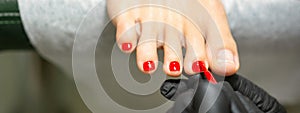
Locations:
{"points": [[235, 94]]}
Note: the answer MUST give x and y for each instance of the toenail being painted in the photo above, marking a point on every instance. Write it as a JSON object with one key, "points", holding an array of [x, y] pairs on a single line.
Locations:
{"points": [[126, 46], [148, 66], [198, 66], [174, 66]]}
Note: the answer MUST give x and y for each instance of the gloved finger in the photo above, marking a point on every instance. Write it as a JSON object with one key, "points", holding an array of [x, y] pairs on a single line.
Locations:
{"points": [[172, 88], [235, 102], [247, 103], [258, 96], [180, 91], [183, 100], [211, 98]]}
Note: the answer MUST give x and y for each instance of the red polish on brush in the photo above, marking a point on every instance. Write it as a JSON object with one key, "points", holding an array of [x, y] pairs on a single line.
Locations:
{"points": [[210, 77], [201, 68]]}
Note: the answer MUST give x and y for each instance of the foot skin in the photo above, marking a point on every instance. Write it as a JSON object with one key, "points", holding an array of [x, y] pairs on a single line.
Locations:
{"points": [[145, 29]]}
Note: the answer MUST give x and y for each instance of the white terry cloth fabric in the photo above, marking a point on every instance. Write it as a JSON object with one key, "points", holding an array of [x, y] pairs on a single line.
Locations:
{"points": [[51, 26], [267, 33]]}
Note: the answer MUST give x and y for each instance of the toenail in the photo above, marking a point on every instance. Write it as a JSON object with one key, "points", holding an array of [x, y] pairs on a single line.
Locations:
{"points": [[174, 66], [126, 46], [148, 66], [198, 66], [225, 56]]}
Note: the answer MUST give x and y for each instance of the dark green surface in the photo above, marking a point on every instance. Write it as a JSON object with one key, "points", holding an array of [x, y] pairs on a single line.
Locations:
{"points": [[12, 34]]}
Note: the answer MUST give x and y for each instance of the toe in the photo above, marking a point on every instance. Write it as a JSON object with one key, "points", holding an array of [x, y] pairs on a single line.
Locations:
{"points": [[173, 52], [222, 54], [126, 33], [147, 48], [195, 57], [221, 47]]}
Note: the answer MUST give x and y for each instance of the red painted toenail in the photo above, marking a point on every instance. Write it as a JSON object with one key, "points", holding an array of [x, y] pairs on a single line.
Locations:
{"points": [[148, 66], [198, 66], [126, 46], [174, 66]]}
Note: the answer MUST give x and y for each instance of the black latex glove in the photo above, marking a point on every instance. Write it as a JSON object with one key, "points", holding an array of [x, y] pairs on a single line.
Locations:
{"points": [[234, 95]]}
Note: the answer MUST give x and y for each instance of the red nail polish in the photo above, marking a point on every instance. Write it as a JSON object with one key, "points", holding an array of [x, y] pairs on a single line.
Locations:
{"points": [[149, 66], [210, 77], [126, 46], [174, 66], [199, 66]]}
